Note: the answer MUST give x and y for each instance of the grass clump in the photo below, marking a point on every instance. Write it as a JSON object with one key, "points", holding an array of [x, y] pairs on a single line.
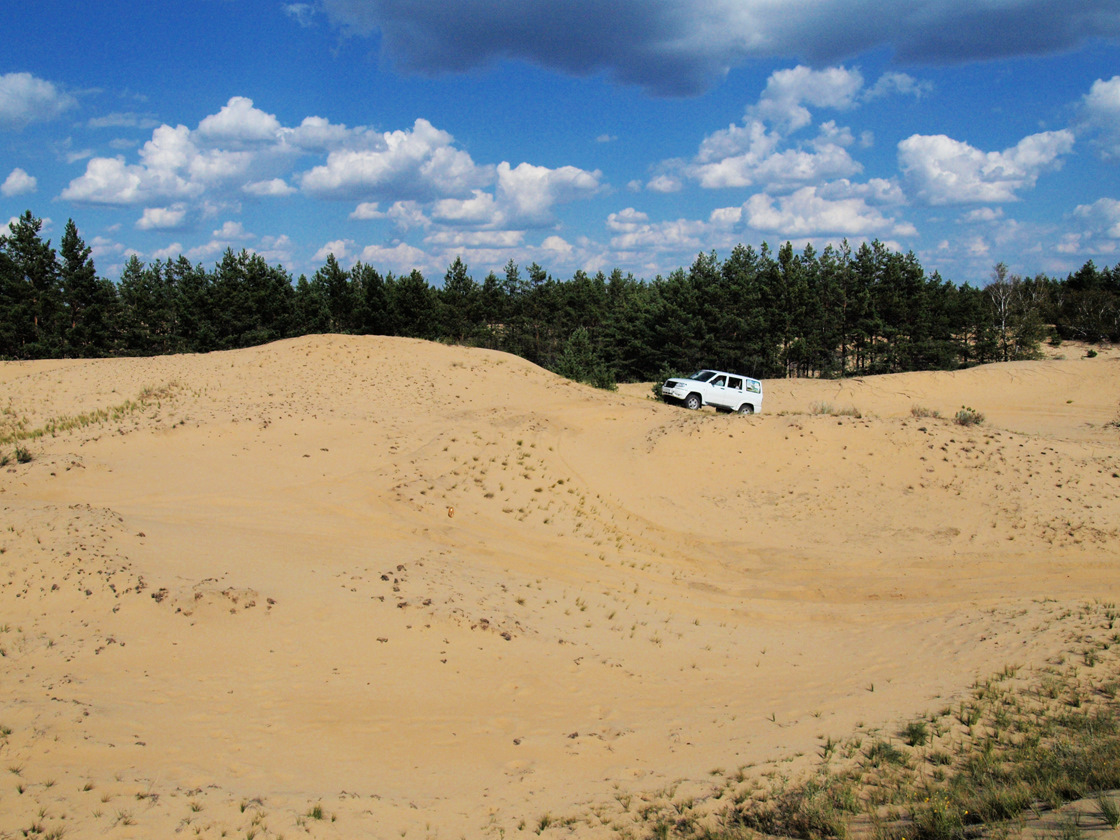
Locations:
{"points": [[1109, 810], [835, 411], [922, 413], [967, 416]]}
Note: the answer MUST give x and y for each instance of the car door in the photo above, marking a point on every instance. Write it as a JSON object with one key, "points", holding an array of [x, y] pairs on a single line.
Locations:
{"points": [[719, 395], [734, 392]]}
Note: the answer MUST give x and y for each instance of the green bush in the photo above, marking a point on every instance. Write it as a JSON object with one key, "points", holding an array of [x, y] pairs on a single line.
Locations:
{"points": [[968, 417]]}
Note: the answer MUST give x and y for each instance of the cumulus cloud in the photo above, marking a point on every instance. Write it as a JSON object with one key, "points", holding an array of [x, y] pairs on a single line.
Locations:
{"points": [[163, 218], [272, 188], [367, 210], [400, 257], [26, 99], [238, 123], [340, 248], [633, 231], [1100, 113], [941, 170], [680, 47], [770, 147], [1101, 218], [421, 163], [18, 182], [806, 212]]}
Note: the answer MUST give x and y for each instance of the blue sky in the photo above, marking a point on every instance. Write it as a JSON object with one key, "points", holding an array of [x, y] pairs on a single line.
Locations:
{"points": [[580, 134]]}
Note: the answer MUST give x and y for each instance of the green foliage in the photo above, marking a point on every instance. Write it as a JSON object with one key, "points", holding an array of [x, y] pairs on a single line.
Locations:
{"points": [[581, 362], [968, 417], [837, 312]]}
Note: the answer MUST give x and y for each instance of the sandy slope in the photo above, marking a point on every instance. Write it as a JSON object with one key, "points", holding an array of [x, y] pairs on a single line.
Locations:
{"points": [[439, 592]]}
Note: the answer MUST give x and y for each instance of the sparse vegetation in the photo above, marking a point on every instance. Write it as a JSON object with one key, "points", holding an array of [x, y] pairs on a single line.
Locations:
{"points": [[1019, 744], [835, 411], [967, 416]]}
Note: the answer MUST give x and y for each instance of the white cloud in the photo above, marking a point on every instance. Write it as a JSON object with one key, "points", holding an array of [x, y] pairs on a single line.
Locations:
{"points": [[760, 151], [238, 123], [231, 230], [982, 215], [401, 257], [163, 218], [786, 90], [558, 246], [123, 119], [171, 252], [480, 209], [272, 188], [456, 239], [418, 163], [890, 84], [318, 134], [341, 248], [1101, 218], [408, 215], [367, 210], [528, 192], [665, 184], [301, 13], [806, 213], [634, 232], [25, 99], [1100, 110], [940, 170], [18, 182]]}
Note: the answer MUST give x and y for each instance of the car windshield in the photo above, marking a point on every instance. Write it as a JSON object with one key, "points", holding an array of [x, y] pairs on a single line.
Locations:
{"points": [[703, 375]]}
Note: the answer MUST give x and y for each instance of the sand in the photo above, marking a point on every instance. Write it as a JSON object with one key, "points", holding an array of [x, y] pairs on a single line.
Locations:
{"points": [[372, 587]]}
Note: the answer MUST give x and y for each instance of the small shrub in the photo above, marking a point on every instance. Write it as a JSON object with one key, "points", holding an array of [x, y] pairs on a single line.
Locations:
{"points": [[834, 411], [917, 733], [968, 417], [1110, 811], [1092, 354], [883, 753], [922, 413], [23, 454]]}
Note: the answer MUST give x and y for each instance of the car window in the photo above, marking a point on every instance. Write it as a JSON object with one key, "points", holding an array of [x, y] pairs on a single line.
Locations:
{"points": [[720, 381], [703, 375], [736, 383]]}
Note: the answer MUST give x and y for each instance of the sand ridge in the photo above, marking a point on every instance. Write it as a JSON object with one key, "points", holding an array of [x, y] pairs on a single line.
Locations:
{"points": [[438, 591]]}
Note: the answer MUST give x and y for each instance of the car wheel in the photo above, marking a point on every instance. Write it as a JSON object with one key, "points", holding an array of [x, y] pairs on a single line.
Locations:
{"points": [[692, 402], [746, 408]]}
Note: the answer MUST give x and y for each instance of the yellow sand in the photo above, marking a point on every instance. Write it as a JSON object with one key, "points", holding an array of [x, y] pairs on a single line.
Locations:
{"points": [[440, 592]]}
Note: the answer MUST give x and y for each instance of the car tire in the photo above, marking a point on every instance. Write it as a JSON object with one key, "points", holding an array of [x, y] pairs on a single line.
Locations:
{"points": [[692, 402], [746, 408]]}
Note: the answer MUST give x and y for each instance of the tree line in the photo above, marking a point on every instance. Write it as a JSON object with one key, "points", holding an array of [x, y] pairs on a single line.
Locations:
{"points": [[837, 312]]}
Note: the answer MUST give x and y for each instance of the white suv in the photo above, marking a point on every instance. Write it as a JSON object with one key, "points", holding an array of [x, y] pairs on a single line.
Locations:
{"points": [[724, 391]]}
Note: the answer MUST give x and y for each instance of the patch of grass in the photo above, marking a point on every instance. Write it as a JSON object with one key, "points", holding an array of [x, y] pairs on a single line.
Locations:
{"points": [[922, 413], [835, 411], [1033, 739], [13, 432], [1109, 810], [967, 416], [916, 733]]}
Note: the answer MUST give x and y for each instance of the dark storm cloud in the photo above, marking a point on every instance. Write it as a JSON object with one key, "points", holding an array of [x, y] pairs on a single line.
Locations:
{"points": [[680, 47]]}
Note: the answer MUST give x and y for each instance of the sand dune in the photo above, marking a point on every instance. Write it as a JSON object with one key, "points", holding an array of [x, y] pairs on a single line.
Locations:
{"points": [[418, 590]]}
